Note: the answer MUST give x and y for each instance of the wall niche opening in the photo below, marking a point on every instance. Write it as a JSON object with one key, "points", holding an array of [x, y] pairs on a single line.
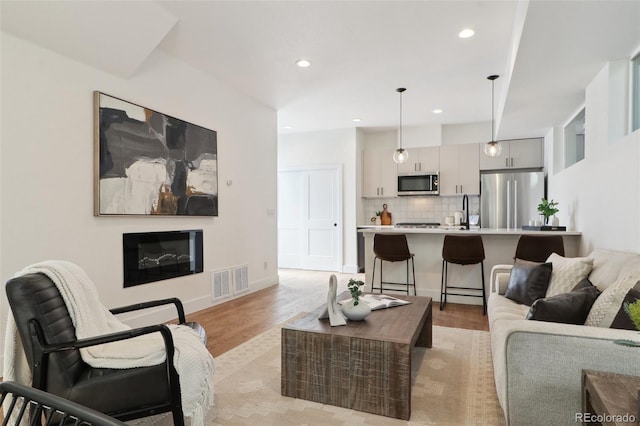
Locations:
{"points": [[156, 256]]}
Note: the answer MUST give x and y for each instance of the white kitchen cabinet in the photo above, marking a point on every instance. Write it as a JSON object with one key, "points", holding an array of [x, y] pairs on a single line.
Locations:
{"points": [[421, 160], [380, 174], [459, 169], [516, 154]]}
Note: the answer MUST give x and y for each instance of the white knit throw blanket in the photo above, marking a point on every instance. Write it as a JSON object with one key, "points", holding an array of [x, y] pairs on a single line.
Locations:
{"points": [[192, 360]]}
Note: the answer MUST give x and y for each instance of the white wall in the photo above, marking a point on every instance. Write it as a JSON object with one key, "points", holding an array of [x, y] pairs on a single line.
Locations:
{"points": [[600, 195], [329, 148], [383, 139], [453, 134], [46, 173], [421, 136]]}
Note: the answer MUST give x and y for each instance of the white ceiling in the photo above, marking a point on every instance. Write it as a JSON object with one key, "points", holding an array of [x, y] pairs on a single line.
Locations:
{"points": [[361, 51]]}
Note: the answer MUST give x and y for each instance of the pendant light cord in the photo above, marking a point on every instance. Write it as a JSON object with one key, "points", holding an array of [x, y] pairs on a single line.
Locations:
{"points": [[400, 155], [400, 120], [493, 103], [493, 91], [400, 90]]}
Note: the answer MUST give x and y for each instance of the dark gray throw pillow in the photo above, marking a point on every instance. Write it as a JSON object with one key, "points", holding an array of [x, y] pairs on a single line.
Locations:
{"points": [[567, 308], [622, 319], [528, 281]]}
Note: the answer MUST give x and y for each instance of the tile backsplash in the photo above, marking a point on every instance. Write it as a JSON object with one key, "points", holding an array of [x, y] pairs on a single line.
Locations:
{"points": [[419, 209]]}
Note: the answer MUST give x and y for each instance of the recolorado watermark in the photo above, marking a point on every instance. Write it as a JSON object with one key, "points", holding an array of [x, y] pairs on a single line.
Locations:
{"points": [[605, 418]]}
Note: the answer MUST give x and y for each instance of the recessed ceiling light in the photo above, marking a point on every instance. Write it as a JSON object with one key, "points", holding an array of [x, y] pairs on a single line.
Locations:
{"points": [[303, 63], [287, 127], [437, 111], [357, 120], [466, 33]]}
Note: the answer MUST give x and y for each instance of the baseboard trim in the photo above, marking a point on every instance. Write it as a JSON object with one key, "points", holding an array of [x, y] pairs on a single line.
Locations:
{"points": [[350, 269]]}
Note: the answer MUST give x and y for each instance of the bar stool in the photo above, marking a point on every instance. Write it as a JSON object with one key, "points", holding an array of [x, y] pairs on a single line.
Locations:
{"points": [[537, 248], [462, 250], [392, 248], [534, 248]]}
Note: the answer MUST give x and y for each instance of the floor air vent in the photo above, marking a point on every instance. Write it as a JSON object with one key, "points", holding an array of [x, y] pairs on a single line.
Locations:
{"points": [[221, 284], [226, 281], [240, 279]]}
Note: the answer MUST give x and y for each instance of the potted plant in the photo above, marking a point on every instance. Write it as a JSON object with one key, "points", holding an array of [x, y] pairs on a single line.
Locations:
{"points": [[354, 289], [547, 209], [633, 311], [356, 309]]}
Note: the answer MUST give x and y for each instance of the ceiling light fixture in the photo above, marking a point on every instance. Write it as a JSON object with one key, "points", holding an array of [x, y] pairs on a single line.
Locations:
{"points": [[303, 63], [357, 120], [466, 33], [287, 127], [493, 148], [400, 155], [437, 111]]}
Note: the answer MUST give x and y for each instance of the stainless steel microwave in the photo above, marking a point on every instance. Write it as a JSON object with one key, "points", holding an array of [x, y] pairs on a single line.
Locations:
{"points": [[422, 184]]}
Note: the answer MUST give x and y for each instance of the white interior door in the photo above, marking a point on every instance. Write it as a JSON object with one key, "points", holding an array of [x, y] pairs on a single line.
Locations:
{"points": [[309, 221]]}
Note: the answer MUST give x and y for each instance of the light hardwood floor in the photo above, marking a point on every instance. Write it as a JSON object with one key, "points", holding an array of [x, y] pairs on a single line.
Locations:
{"points": [[236, 321]]}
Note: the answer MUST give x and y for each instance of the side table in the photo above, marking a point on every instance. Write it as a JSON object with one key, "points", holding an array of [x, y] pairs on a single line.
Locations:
{"points": [[609, 399]]}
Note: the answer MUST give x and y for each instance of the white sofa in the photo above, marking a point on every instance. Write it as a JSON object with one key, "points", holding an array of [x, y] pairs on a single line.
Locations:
{"points": [[538, 365]]}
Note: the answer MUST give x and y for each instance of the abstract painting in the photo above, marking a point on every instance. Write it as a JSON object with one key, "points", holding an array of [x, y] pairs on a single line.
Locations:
{"points": [[149, 163]]}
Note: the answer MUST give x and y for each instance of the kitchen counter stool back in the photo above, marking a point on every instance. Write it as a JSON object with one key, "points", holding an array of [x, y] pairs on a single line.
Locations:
{"points": [[462, 250], [392, 248], [537, 248]]}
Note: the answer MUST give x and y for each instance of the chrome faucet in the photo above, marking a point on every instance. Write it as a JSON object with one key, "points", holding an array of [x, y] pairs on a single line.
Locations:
{"points": [[465, 202]]}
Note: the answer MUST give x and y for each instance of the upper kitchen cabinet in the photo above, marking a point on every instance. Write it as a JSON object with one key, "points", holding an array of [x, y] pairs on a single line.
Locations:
{"points": [[379, 174], [516, 154], [421, 160], [459, 169]]}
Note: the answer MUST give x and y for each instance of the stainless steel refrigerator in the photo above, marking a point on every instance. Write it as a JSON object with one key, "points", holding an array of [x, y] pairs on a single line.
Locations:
{"points": [[510, 199]]}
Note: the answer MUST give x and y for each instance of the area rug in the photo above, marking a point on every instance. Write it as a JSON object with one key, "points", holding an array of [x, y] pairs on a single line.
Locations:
{"points": [[452, 385]]}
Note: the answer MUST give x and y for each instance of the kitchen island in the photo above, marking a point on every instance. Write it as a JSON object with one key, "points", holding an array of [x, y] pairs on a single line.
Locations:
{"points": [[426, 244]]}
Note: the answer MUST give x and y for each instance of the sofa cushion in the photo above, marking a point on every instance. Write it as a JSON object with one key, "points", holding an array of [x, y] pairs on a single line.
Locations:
{"points": [[606, 307], [500, 308], [528, 281], [567, 272], [567, 308], [609, 265], [622, 319]]}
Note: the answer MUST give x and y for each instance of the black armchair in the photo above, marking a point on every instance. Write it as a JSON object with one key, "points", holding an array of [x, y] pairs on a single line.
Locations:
{"points": [[52, 351]]}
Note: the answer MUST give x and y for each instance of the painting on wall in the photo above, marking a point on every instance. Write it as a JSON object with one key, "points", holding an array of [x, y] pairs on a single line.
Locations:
{"points": [[149, 163]]}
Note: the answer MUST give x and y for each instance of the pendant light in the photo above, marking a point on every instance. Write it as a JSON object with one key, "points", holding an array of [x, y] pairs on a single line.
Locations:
{"points": [[400, 155], [493, 148]]}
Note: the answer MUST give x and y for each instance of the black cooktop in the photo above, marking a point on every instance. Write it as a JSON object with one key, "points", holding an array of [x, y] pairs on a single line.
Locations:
{"points": [[418, 225]]}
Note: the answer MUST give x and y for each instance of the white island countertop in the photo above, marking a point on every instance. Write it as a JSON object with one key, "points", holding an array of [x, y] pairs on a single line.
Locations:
{"points": [[457, 229]]}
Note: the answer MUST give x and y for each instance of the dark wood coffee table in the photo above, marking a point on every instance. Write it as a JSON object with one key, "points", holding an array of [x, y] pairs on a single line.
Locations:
{"points": [[364, 365]]}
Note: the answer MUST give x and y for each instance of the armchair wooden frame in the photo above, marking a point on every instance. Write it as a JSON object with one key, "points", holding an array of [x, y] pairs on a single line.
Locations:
{"points": [[48, 409]]}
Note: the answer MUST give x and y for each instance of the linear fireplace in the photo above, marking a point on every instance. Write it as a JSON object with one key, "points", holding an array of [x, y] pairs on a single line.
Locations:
{"points": [[155, 256]]}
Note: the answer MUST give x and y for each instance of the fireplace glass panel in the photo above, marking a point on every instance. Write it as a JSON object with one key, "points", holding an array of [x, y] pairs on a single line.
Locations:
{"points": [[155, 256]]}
